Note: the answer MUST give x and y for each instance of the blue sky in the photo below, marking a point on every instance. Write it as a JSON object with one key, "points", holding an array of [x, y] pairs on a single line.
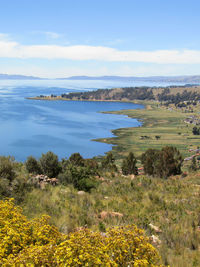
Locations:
{"points": [[61, 38]]}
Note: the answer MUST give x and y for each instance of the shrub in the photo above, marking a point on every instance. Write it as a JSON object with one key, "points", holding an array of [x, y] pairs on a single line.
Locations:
{"points": [[120, 246], [7, 170], [150, 160], [32, 165], [162, 163], [50, 165], [193, 166], [17, 233], [36, 243], [76, 159], [5, 189], [108, 162], [196, 131], [170, 162], [129, 165], [80, 177]]}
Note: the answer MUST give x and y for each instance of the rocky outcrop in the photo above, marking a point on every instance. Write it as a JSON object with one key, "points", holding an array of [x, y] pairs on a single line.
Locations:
{"points": [[42, 180]]}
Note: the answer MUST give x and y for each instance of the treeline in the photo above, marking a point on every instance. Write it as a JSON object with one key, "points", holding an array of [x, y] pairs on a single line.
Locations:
{"points": [[17, 178], [130, 93], [179, 97], [80, 172], [135, 93]]}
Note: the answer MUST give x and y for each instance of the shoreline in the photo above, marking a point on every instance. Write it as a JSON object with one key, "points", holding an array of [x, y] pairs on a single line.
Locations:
{"points": [[167, 125], [160, 127], [80, 100], [103, 139]]}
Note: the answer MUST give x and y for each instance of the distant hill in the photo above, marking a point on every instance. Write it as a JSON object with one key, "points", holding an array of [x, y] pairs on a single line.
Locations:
{"points": [[18, 77], [165, 79], [171, 79], [174, 94]]}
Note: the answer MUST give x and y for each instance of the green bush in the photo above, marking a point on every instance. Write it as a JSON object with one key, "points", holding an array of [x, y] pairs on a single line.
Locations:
{"points": [[76, 159], [32, 165], [7, 165], [162, 163], [129, 165], [80, 177], [50, 164], [108, 162]]}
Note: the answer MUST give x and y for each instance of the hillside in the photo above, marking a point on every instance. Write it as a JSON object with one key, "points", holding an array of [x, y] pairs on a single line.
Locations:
{"points": [[171, 93], [18, 77], [164, 79], [167, 209]]}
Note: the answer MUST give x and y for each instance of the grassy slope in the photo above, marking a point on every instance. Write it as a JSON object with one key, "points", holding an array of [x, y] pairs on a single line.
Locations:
{"points": [[172, 205], [168, 124]]}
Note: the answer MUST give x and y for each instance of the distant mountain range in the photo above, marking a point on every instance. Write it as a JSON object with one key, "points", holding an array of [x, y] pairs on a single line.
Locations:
{"points": [[167, 79], [18, 77]]}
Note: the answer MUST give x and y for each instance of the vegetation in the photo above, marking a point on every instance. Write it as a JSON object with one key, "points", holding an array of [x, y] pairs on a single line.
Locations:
{"points": [[185, 95], [36, 243], [196, 131], [108, 163], [129, 165], [163, 163], [160, 127], [97, 201], [49, 164], [107, 199], [130, 93], [32, 165], [171, 94]]}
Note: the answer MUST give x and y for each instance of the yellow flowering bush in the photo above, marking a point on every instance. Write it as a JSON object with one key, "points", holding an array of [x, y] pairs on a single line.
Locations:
{"points": [[36, 243], [120, 246], [128, 245], [18, 234]]}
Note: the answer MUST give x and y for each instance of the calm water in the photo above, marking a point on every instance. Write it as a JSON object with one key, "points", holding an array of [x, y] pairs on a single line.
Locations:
{"points": [[31, 127]]}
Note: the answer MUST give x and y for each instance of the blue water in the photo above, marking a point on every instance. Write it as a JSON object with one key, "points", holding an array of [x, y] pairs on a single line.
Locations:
{"points": [[30, 127]]}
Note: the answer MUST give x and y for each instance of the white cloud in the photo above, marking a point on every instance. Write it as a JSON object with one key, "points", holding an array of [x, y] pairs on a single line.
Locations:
{"points": [[11, 49]]}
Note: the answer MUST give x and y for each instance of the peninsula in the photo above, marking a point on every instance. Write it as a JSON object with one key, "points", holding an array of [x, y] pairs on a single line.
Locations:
{"points": [[144, 93], [166, 118]]}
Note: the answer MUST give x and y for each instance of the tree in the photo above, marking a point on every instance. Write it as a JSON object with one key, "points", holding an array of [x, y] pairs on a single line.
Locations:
{"points": [[76, 159], [170, 161], [193, 166], [108, 162], [129, 165], [7, 170], [150, 161], [162, 163], [50, 164], [32, 165]]}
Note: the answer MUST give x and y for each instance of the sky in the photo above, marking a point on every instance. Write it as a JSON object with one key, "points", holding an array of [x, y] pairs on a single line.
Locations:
{"points": [[62, 38]]}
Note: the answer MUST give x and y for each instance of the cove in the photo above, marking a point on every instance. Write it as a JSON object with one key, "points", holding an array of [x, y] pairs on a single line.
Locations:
{"points": [[33, 127]]}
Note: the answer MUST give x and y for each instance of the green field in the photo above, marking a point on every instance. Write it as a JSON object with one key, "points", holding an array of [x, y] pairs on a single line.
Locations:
{"points": [[166, 123]]}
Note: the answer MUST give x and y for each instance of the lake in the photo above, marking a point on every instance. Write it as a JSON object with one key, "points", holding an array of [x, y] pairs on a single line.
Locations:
{"points": [[33, 127]]}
